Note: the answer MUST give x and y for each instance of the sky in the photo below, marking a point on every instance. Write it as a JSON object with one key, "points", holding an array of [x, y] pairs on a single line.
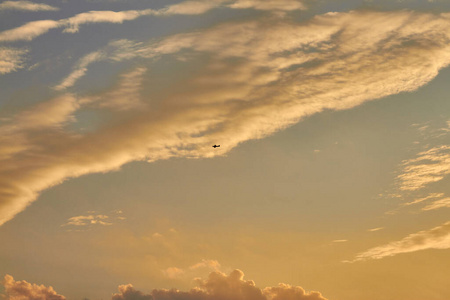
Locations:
{"points": [[331, 181]]}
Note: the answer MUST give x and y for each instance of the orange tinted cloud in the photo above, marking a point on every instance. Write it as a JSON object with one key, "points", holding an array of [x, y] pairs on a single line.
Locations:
{"points": [[219, 286], [259, 78], [435, 238], [22, 290]]}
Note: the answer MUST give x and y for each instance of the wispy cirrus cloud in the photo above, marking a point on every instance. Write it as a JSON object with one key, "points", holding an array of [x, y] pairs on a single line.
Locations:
{"points": [[259, 78], [435, 238], [26, 6], [11, 59], [429, 166], [34, 29]]}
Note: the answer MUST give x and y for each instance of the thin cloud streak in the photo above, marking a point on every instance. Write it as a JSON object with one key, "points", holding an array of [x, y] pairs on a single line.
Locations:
{"points": [[26, 6], [34, 29], [259, 78], [428, 167], [435, 238]]}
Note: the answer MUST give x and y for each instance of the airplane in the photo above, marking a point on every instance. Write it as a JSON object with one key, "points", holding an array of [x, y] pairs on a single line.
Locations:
{"points": [[215, 146]]}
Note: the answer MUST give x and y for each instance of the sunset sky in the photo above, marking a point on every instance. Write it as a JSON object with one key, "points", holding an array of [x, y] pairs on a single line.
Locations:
{"points": [[332, 180]]}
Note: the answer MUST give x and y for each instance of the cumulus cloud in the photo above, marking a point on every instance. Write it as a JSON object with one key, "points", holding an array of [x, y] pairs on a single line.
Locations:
{"points": [[26, 6], [11, 59], [435, 238], [428, 167], [252, 79], [219, 286], [22, 290]]}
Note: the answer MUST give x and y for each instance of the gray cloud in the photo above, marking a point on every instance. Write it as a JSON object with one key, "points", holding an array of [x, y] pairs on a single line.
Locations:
{"points": [[252, 79]]}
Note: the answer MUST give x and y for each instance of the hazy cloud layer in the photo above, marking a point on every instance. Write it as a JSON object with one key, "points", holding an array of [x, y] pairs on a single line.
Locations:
{"points": [[11, 59], [22, 290], [26, 6], [251, 80], [435, 238]]}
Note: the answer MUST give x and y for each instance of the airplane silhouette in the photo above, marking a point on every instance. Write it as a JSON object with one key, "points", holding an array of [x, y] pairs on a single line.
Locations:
{"points": [[215, 146]]}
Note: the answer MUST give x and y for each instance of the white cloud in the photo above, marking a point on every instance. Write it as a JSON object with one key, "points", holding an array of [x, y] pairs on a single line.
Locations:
{"points": [[435, 238], [26, 6], [11, 59], [260, 77]]}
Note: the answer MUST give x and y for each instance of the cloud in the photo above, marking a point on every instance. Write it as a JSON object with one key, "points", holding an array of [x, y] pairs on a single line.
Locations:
{"points": [[21, 290], [435, 238], [92, 219], [219, 286], [192, 271], [26, 6], [428, 167], [339, 241], [251, 80], [88, 220], [34, 29], [28, 31], [422, 199], [80, 70], [284, 5], [11, 59], [375, 229], [441, 203]]}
